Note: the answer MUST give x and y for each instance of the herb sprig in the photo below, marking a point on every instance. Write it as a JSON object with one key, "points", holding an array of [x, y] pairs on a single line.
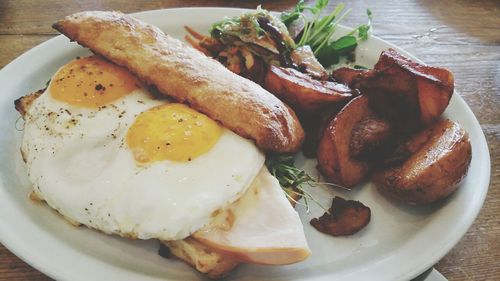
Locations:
{"points": [[291, 178], [318, 31]]}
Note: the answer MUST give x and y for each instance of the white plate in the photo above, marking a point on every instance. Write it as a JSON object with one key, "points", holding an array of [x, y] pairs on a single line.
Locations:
{"points": [[400, 242]]}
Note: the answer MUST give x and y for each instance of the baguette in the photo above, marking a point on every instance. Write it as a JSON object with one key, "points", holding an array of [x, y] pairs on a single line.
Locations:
{"points": [[188, 76]]}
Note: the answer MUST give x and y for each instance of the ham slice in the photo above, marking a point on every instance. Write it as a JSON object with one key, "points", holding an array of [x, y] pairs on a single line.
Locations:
{"points": [[261, 227]]}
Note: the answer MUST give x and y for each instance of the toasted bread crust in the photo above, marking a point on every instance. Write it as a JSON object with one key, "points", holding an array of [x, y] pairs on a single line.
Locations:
{"points": [[203, 258], [188, 76]]}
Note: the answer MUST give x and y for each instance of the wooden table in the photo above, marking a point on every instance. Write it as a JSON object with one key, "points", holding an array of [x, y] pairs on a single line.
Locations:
{"points": [[463, 36]]}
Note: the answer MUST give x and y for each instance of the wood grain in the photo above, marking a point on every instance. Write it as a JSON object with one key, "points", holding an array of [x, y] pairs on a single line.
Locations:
{"points": [[460, 35]]}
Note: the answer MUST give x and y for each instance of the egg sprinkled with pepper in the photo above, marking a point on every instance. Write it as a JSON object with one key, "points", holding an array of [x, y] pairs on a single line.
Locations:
{"points": [[106, 153]]}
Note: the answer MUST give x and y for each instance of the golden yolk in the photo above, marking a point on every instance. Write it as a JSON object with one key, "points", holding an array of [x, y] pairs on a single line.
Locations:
{"points": [[91, 82], [171, 132]]}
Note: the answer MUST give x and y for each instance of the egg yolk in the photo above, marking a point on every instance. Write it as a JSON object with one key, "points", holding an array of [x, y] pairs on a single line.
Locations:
{"points": [[91, 82], [171, 132]]}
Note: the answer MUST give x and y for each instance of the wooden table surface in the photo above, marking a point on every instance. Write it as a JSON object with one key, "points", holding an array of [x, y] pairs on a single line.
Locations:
{"points": [[463, 36]]}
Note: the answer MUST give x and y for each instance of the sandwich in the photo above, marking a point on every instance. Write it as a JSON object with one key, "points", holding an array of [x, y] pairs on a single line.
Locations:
{"points": [[150, 139]]}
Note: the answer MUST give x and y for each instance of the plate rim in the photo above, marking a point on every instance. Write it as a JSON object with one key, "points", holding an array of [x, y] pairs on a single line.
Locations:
{"points": [[11, 243]]}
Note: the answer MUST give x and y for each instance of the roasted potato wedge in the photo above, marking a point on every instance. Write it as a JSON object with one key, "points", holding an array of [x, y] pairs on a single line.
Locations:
{"points": [[314, 124], [406, 92], [334, 156], [370, 138], [440, 158], [407, 146], [345, 217], [302, 92], [348, 76]]}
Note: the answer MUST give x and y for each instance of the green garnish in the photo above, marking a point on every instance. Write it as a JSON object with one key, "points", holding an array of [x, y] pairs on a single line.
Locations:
{"points": [[283, 168], [267, 37], [291, 178], [244, 27], [258, 32], [357, 66], [318, 31], [288, 17], [364, 28], [331, 54]]}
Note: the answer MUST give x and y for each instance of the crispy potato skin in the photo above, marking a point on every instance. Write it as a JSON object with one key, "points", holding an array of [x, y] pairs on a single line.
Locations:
{"points": [[441, 159], [188, 76], [302, 92], [348, 76], [406, 92], [315, 124], [345, 217], [369, 135], [334, 155]]}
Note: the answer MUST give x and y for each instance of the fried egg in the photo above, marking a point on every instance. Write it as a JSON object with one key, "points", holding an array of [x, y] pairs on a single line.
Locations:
{"points": [[104, 152]]}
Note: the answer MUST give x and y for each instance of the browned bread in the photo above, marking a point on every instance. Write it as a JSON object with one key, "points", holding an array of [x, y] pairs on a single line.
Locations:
{"points": [[203, 258], [188, 76]]}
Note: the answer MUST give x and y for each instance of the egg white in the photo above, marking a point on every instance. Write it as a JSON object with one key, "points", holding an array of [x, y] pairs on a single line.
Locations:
{"points": [[79, 163]]}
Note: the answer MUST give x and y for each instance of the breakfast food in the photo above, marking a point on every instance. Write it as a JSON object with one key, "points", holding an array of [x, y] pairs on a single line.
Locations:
{"points": [[407, 93], [379, 130], [314, 124], [83, 134], [348, 76], [335, 159], [144, 167], [192, 174], [438, 159], [203, 258], [302, 39], [188, 76], [345, 217], [261, 227], [303, 92], [105, 153], [356, 120]]}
